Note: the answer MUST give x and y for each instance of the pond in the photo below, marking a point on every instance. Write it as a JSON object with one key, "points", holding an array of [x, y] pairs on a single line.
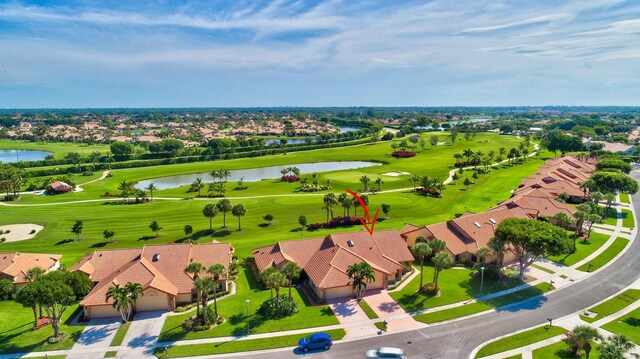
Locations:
{"points": [[344, 129], [255, 174], [11, 156], [295, 141]]}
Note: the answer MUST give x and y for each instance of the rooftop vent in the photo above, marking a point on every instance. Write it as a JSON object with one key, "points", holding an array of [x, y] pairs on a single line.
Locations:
{"points": [[350, 243], [477, 224], [156, 257], [492, 221]]}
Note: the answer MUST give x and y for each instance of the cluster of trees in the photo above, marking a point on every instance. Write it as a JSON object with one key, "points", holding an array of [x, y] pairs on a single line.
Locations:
{"points": [[125, 298], [403, 149], [52, 292], [431, 186], [582, 336], [557, 140], [274, 279], [205, 285], [224, 206], [127, 189], [11, 179], [314, 184], [436, 250], [291, 174], [365, 180]]}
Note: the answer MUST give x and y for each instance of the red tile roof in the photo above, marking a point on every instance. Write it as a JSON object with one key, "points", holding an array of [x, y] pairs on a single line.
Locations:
{"points": [[14, 266]]}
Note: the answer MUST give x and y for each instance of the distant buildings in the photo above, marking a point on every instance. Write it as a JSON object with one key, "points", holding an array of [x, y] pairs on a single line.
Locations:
{"points": [[14, 266]]}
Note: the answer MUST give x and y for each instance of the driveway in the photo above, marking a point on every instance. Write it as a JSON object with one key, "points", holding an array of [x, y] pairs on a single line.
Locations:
{"points": [[348, 312], [97, 334], [142, 335], [385, 307]]}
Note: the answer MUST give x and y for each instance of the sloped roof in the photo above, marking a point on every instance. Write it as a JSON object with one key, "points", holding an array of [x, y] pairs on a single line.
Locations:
{"points": [[14, 266], [102, 263]]}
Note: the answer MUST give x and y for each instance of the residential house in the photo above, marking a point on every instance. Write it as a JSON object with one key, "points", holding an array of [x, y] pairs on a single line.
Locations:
{"points": [[159, 269], [61, 187], [324, 261], [14, 266]]}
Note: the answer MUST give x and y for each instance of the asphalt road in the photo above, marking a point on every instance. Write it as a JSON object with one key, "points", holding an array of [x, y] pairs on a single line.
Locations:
{"points": [[458, 339]]}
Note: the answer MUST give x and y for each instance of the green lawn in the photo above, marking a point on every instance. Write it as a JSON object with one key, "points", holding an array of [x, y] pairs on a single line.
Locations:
{"points": [[456, 285], [240, 345], [59, 149], [627, 219], [17, 335], [584, 249], [611, 218], [110, 354], [561, 350], [367, 309], [624, 198], [628, 325], [544, 269], [120, 334], [130, 222], [234, 310], [613, 250], [519, 340], [613, 305], [478, 307]]}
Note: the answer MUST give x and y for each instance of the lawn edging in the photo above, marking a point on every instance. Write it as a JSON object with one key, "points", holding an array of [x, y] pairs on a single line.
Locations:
{"points": [[528, 336]]}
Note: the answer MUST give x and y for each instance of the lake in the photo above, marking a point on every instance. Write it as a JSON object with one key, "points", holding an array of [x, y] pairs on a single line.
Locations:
{"points": [[11, 156], [255, 174]]}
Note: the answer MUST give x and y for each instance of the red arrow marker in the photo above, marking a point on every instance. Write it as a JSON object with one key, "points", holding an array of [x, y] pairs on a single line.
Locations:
{"points": [[366, 213]]}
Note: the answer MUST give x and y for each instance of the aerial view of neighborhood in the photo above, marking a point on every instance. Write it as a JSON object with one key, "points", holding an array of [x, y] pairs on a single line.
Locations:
{"points": [[322, 179]]}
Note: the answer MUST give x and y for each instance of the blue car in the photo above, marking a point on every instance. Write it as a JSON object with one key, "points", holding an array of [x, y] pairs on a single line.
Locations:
{"points": [[315, 341]]}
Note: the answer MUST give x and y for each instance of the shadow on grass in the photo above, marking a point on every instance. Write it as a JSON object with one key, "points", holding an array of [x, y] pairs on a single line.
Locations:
{"points": [[64, 241], [146, 238], [634, 322], [99, 244], [222, 233]]}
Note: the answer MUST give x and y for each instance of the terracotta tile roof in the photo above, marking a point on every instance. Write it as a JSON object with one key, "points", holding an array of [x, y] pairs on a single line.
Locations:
{"points": [[537, 202], [325, 260], [14, 266], [156, 266], [409, 228]]}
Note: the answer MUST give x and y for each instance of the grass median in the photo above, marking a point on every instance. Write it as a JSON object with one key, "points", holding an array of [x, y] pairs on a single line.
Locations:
{"points": [[584, 248], [613, 305], [233, 346], [519, 340], [628, 325], [606, 256]]}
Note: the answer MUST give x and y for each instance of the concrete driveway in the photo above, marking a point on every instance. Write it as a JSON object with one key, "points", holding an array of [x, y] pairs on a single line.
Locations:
{"points": [[142, 335], [385, 307], [97, 334], [348, 311]]}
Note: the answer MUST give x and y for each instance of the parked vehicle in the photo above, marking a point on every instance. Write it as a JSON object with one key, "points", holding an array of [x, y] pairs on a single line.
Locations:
{"points": [[386, 352], [315, 341]]}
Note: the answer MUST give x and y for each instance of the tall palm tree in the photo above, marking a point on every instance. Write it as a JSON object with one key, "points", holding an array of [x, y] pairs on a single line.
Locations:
{"points": [[421, 251], [198, 185], [562, 220], [125, 189], [225, 173], [467, 153], [482, 253], [205, 286], [440, 261], [361, 274], [330, 200], [224, 206], [615, 347], [121, 300], [277, 280], [266, 278], [365, 182], [437, 246], [210, 210], [217, 271], [415, 179], [457, 156], [194, 269], [379, 182], [239, 211], [151, 187], [134, 291], [292, 272], [498, 248]]}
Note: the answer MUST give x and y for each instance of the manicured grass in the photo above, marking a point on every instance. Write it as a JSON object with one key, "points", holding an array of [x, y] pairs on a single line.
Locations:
{"points": [[367, 309], [120, 334], [111, 354], [627, 219], [544, 269], [611, 218], [561, 350], [628, 325], [234, 310], [17, 335], [584, 249], [240, 345], [130, 222], [518, 356], [607, 255], [59, 149], [519, 340], [456, 285], [478, 307], [613, 305], [624, 198]]}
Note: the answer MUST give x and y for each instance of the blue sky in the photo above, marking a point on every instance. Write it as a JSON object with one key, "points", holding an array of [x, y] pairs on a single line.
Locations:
{"points": [[168, 53]]}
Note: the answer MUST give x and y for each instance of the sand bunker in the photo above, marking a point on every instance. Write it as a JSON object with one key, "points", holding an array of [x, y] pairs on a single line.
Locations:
{"points": [[20, 232], [395, 174]]}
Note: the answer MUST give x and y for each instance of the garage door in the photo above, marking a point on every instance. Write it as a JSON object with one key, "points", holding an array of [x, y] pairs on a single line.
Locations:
{"points": [[152, 300], [103, 311]]}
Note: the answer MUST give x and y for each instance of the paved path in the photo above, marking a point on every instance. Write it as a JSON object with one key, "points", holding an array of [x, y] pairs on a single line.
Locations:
{"points": [[142, 335], [98, 334], [387, 308], [348, 311]]}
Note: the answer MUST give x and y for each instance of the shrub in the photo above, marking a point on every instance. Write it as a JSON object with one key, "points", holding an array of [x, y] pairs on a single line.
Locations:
{"points": [[2, 240], [472, 162], [403, 154], [194, 324], [87, 173], [285, 307], [335, 222], [52, 339], [290, 178], [184, 308], [429, 192], [429, 289]]}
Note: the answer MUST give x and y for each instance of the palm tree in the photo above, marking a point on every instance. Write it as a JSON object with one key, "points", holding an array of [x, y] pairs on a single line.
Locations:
{"points": [[415, 179], [467, 153], [379, 182], [580, 338], [108, 158], [615, 347], [482, 254], [562, 220], [134, 291], [266, 278], [498, 248], [277, 280], [440, 261], [204, 285], [224, 206], [239, 211], [361, 274], [194, 269], [330, 200], [198, 185], [210, 210], [217, 271], [437, 246], [121, 300], [151, 187], [225, 173], [420, 251], [292, 272], [125, 189], [457, 156], [365, 182]]}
